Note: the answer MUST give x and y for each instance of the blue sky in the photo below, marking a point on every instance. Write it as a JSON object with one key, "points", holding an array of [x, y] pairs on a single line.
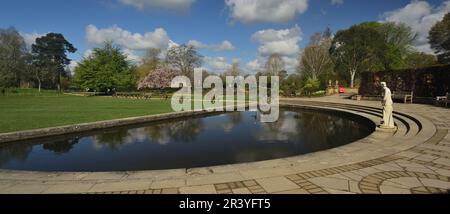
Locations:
{"points": [[224, 30]]}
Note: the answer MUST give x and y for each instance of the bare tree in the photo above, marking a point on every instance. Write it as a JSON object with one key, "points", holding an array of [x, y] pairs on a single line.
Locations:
{"points": [[184, 58], [12, 54], [275, 65], [234, 70], [149, 63], [315, 59]]}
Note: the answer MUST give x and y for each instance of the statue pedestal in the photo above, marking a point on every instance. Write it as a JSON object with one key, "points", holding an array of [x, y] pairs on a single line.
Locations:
{"points": [[389, 129], [330, 91]]}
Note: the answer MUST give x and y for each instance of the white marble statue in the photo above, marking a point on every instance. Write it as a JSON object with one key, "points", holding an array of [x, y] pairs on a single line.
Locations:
{"points": [[388, 119]]}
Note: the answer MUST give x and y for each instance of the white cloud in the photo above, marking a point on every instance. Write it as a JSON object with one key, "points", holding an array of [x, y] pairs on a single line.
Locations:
{"points": [[224, 46], [30, 38], [87, 53], [284, 42], [156, 39], [175, 5], [236, 60], [337, 2], [217, 64], [255, 65], [132, 56], [73, 64], [420, 16], [172, 44], [251, 11], [197, 44]]}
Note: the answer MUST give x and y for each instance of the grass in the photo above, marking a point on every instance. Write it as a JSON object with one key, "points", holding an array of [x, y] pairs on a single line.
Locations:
{"points": [[28, 109]]}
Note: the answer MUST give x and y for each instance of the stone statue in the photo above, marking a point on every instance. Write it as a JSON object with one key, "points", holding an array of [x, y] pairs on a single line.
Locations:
{"points": [[336, 87], [330, 89], [388, 119]]}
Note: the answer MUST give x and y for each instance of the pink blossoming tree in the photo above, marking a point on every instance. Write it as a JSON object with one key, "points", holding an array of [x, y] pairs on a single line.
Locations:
{"points": [[160, 78]]}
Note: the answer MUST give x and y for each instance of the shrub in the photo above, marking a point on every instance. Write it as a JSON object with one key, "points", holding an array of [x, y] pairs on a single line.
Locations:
{"points": [[311, 86], [291, 85]]}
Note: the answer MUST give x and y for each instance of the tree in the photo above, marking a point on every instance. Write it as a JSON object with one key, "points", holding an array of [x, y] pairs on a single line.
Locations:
{"points": [[234, 70], [399, 39], [107, 68], [50, 51], [283, 74], [13, 54], [310, 86], [150, 63], [315, 59], [291, 85], [42, 71], [419, 59], [274, 65], [439, 38], [184, 58], [160, 78], [358, 49], [327, 33]]}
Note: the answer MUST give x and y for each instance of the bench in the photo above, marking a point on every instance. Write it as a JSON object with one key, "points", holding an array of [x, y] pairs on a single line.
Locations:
{"points": [[443, 99], [405, 96], [138, 95], [133, 95]]}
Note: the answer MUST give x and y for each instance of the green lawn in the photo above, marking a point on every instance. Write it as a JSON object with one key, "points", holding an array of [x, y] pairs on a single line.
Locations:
{"points": [[28, 109]]}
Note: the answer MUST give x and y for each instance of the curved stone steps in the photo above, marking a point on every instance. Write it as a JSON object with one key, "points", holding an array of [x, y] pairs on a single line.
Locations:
{"points": [[408, 126], [403, 126], [410, 122], [409, 117], [412, 126], [415, 120]]}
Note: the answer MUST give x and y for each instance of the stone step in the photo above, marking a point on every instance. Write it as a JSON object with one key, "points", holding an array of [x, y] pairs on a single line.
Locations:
{"points": [[408, 126]]}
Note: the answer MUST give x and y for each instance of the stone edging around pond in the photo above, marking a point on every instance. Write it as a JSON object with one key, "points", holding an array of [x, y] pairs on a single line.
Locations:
{"points": [[84, 127], [93, 126], [377, 149]]}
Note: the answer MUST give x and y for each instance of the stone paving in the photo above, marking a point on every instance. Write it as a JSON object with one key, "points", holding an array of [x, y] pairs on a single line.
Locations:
{"points": [[415, 159]]}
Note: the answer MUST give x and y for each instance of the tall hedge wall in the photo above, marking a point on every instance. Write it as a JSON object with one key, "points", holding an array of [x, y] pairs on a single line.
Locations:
{"points": [[425, 82]]}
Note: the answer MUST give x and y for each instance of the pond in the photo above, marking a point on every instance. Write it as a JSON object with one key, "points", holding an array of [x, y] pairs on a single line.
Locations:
{"points": [[214, 139]]}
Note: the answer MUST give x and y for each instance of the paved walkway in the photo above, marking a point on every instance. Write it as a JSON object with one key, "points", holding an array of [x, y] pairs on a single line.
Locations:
{"points": [[415, 159]]}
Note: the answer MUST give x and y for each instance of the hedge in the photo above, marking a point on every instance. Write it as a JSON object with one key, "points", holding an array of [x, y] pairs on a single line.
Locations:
{"points": [[424, 82]]}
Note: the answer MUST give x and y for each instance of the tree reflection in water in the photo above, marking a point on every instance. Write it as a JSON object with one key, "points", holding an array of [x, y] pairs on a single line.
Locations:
{"points": [[186, 130], [234, 137], [313, 128], [60, 147], [113, 140], [15, 151], [163, 133]]}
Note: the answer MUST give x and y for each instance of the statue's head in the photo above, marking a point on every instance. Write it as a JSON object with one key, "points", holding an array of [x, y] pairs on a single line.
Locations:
{"points": [[383, 85]]}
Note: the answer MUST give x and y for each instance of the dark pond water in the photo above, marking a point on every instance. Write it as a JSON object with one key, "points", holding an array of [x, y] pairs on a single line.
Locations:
{"points": [[189, 142]]}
